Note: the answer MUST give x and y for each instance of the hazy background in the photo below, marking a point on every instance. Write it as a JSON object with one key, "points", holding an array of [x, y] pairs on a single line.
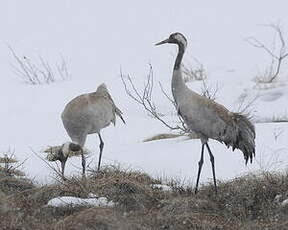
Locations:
{"points": [[97, 37]]}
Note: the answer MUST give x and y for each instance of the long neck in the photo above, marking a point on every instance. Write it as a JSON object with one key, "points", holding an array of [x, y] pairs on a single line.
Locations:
{"points": [[178, 84], [181, 50]]}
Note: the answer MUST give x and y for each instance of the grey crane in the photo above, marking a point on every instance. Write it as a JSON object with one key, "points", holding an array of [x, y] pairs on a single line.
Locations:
{"points": [[88, 114], [207, 118]]}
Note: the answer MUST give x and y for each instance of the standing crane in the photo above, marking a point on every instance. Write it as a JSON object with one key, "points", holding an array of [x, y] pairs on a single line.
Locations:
{"points": [[207, 118], [88, 114]]}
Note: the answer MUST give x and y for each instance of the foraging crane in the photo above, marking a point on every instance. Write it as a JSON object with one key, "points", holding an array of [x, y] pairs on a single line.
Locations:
{"points": [[63, 152], [207, 118], [88, 114]]}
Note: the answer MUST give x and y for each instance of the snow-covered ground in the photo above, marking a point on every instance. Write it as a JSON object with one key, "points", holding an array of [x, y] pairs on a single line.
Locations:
{"points": [[93, 200], [97, 39]]}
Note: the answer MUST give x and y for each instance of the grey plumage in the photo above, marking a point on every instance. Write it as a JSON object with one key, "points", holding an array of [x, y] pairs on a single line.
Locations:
{"points": [[241, 136], [212, 120], [207, 118], [88, 114]]}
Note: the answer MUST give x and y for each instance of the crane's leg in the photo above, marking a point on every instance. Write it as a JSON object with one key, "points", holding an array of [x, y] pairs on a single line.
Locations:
{"points": [[213, 166], [200, 163], [101, 146], [83, 162], [63, 163]]}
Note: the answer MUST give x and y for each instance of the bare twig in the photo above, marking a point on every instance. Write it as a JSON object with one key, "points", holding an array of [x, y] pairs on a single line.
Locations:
{"points": [[62, 68], [180, 119], [277, 133], [145, 99], [277, 57], [167, 96], [208, 91], [245, 105], [11, 165], [57, 170], [39, 71], [195, 73]]}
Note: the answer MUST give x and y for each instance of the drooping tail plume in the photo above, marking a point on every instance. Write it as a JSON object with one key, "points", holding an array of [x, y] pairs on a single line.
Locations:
{"points": [[245, 136]]}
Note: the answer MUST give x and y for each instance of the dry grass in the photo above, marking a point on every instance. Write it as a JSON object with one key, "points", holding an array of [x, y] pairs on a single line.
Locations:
{"points": [[9, 165], [170, 135], [248, 202], [162, 136], [274, 118]]}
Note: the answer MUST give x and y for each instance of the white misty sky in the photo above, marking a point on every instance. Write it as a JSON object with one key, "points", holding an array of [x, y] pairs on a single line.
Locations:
{"points": [[97, 37]]}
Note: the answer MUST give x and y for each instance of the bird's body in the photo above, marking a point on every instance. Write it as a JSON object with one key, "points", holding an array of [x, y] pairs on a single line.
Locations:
{"points": [[207, 118], [88, 114]]}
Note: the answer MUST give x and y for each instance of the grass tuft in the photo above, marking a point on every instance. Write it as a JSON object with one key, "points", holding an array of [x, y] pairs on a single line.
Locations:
{"points": [[254, 201]]}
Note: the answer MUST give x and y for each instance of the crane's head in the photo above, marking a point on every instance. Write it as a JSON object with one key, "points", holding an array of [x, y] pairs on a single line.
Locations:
{"points": [[102, 88], [176, 38], [70, 148]]}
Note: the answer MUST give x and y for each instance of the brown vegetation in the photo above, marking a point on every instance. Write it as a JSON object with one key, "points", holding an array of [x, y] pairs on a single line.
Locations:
{"points": [[248, 202]]}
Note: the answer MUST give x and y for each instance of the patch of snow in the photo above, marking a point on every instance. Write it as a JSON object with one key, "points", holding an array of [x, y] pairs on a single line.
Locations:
{"points": [[284, 203], [277, 198], [76, 201], [92, 195], [163, 187], [267, 103], [273, 96]]}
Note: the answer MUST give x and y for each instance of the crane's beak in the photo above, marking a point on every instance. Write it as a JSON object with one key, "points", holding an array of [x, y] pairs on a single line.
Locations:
{"points": [[163, 42]]}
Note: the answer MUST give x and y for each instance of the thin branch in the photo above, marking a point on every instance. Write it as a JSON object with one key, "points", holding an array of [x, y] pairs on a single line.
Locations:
{"points": [[279, 57], [38, 72], [56, 170], [256, 43], [11, 164], [166, 95], [245, 106], [208, 91], [196, 73], [145, 98], [180, 119]]}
